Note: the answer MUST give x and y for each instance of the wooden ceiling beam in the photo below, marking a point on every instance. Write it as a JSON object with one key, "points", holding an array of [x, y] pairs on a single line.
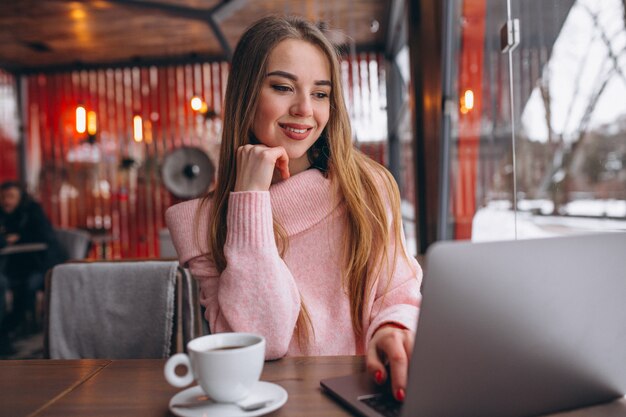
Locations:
{"points": [[137, 62], [169, 9], [47, 36], [210, 16]]}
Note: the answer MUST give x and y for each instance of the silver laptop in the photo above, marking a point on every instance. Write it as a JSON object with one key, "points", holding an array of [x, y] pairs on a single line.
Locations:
{"points": [[515, 328]]}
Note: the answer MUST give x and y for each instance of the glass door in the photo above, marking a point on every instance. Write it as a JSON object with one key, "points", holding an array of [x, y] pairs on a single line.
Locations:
{"points": [[535, 136]]}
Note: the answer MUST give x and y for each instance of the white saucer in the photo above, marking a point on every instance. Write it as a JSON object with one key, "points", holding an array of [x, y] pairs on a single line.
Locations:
{"points": [[262, 391]]}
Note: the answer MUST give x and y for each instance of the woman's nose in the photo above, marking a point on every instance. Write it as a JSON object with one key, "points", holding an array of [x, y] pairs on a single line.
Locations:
{"points": [[302, 105]]}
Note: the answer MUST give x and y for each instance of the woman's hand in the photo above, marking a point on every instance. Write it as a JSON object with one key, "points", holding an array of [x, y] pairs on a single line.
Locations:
{"points": [[256, 165], [393, 346]]}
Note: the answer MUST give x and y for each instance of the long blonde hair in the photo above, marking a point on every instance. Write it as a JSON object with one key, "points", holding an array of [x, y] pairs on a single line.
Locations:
{"points": [[358, 177]]}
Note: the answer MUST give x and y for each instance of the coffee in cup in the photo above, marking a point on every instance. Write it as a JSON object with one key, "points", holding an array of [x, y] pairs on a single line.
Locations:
{"points": [[225, 365]]}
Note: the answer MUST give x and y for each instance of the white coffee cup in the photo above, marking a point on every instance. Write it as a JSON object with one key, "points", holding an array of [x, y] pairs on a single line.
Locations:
{"points": [[226, 365]]}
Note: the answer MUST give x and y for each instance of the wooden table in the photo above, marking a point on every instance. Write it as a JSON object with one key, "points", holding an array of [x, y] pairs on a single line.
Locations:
{"points": [[137, 388], [18, 248], [23, 248]]}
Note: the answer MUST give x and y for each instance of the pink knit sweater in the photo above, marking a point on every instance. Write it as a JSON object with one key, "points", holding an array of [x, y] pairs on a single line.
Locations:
{"points": [[261, 292]]}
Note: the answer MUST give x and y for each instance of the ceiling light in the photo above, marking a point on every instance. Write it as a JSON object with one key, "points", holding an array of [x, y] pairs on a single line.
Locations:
{"points": [[81, 119]]}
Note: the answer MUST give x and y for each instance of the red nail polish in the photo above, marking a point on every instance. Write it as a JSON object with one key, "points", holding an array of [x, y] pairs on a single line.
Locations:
{"points": [[400, 394], [379, 377]]}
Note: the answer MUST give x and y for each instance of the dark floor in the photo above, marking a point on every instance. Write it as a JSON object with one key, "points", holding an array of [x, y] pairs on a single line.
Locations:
{"points": [[27, 347], [25, 340]]}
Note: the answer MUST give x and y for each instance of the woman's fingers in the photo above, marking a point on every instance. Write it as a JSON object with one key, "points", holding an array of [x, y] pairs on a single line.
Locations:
{"points": [[398, 366], [391, 346], [256, 165], [375, 365], [282, 162]]}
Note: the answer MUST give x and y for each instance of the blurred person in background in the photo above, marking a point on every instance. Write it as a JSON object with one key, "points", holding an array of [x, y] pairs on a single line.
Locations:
{"points": [[22, 221]]}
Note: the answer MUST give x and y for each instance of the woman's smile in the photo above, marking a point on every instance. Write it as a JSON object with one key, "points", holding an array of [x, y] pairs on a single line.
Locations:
{"points": [[296, 131]]}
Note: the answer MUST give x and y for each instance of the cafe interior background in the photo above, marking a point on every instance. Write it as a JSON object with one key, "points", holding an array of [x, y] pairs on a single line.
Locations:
{"points": [[110, 110]]}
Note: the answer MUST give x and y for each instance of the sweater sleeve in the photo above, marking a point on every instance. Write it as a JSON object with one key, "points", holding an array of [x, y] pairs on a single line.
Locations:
{"points": [[395, 297], [256, 291]]}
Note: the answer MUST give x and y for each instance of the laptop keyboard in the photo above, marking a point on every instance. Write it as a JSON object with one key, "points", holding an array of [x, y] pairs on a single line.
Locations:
{"points": [[384, 404]]}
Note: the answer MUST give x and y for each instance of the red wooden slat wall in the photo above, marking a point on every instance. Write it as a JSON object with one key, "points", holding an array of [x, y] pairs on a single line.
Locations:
{"points": [[113, 187]]}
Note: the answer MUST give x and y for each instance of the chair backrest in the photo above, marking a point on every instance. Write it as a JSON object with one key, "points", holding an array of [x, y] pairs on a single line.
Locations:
{"points": [[166, 246], [139, 309], [74, 241]]}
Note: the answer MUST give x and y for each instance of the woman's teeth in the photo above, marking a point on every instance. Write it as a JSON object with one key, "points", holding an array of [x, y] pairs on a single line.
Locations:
{"points": [[291, 129]]}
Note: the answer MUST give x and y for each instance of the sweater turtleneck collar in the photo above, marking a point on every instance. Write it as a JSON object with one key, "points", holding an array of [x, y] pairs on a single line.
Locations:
{"points": [[303, 200]]}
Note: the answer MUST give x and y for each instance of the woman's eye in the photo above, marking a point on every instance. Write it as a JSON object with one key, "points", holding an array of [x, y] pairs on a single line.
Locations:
{"points": [[321, 95], [281, 88]]}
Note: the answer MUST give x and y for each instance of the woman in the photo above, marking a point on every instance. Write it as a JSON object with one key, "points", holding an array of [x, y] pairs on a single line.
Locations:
{"points": [[301, 240]]}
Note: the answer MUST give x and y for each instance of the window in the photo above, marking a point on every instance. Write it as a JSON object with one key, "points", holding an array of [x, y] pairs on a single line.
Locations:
{"points": [[537, 144]]}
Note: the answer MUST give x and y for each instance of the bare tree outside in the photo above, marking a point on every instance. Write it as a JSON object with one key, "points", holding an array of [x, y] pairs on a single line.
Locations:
{"points": [[568, 146]]}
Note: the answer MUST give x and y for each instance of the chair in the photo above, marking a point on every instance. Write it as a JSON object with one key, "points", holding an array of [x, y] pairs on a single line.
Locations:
{"points": [[168, 251], [74, 241], [119, 309], [166, 247]]}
